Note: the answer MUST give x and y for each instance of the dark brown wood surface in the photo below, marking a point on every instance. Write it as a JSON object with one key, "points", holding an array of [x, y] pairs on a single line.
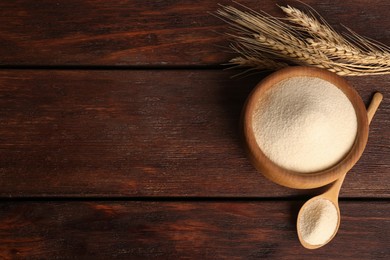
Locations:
{"points": [[186, 230], [119, 138], [147, 32], [148, 133]]}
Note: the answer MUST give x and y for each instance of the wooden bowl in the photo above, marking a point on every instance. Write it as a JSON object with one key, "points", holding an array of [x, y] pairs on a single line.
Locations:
{"points": [[288, 177]]}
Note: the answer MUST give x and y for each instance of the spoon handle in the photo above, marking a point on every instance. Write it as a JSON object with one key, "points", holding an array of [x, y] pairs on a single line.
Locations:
{"points": [[334, 190], [375, 102]]}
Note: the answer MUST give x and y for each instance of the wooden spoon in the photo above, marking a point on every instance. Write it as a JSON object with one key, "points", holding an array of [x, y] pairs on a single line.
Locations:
{"points": [[332, 194]]}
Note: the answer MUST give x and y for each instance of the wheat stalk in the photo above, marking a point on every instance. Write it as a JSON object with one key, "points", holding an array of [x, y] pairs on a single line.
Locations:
{"points": [[267, 42]]}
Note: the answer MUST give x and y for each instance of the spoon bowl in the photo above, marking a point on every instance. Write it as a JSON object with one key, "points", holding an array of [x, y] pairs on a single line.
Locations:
{"points": [[331, 196]]}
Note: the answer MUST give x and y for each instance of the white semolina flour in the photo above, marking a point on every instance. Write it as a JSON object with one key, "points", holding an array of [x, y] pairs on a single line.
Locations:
{"points": [[318, 222], [305, 124]]}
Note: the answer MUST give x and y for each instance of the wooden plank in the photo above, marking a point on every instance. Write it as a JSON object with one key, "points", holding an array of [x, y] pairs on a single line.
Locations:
{"points": [[149, 133], [147, 32], [190, 230]]}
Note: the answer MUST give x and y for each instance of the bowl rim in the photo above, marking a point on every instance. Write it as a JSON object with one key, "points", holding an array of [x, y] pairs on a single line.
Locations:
{"points": [[294, 179]]}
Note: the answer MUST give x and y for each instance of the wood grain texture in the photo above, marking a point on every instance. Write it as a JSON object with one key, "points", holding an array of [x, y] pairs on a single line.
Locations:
{"points": [[149, 133], [147, 32], [183, 230], [130, 134]]}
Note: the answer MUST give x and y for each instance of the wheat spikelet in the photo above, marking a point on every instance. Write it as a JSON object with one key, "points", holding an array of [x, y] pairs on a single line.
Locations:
{"points": [[311, 25], [264, 41], [255, 59], [346, 53], [261, 64]]}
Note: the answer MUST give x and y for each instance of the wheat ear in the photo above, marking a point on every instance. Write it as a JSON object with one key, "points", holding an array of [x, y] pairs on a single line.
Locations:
{"points": [[260, 38], [331, 43]]}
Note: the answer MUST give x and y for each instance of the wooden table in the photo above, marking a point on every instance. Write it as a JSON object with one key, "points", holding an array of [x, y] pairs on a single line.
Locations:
{"points": [[119, 138]]}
